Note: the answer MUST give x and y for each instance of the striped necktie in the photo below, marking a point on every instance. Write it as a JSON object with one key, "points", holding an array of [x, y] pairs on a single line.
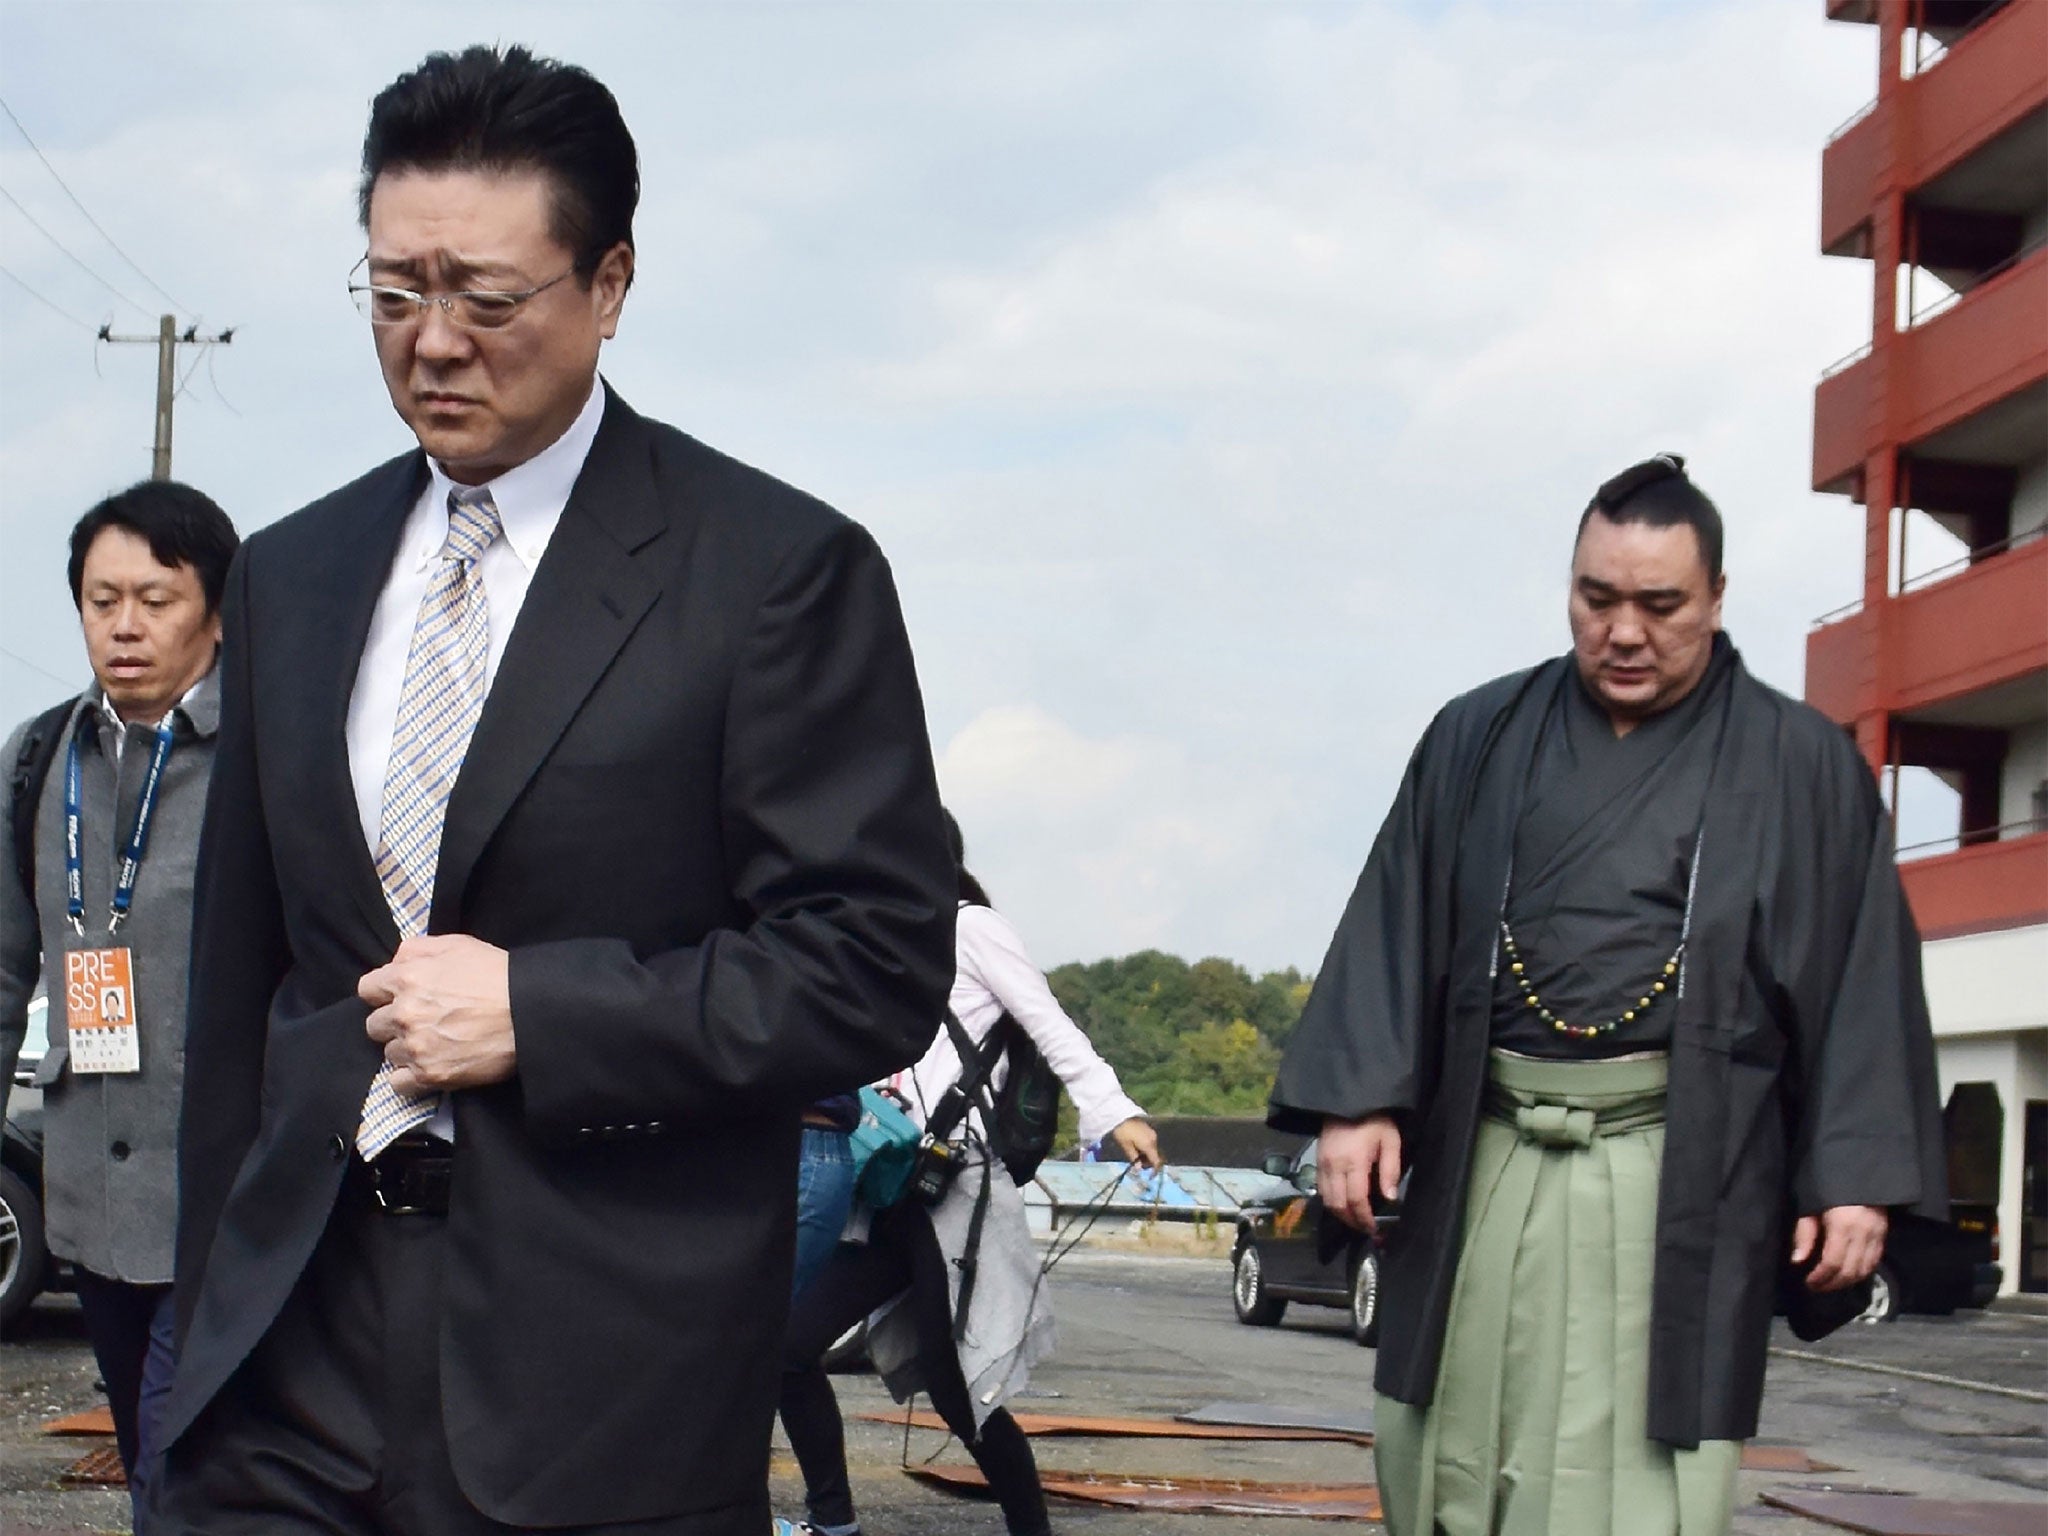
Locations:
{"points": [[438, 705]]}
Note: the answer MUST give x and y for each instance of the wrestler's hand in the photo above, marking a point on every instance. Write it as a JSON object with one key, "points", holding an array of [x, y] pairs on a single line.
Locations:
{"points": [[1350, 1155], [1140, 1142], [1851, 1242], [442, 1010]]}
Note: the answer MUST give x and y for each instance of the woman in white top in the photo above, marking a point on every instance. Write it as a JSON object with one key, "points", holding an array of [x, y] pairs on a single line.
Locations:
{"points": [[911, 1266]]}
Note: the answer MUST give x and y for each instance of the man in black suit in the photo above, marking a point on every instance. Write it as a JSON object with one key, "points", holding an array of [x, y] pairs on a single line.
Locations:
{"points": [[573, 826]]}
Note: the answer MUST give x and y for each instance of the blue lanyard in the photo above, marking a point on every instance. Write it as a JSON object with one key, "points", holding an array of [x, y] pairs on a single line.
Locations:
{"points": [[138, 842]]}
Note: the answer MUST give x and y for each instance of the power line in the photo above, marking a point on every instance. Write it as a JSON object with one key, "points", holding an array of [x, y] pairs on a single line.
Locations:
{"points": [[95, 223], [52, 308], [204, 351], [33, 667], [88, 271], [223, 399]]}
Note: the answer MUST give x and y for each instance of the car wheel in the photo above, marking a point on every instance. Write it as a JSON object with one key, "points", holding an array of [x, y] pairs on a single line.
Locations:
{"points": [[24, 1261], [1365, 1299], [1256, 1305], [1885, 1296]]}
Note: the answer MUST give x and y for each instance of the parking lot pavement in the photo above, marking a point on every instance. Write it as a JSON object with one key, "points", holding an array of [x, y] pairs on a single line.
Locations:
{"points": [[1145, 1335], [46, 1371]]}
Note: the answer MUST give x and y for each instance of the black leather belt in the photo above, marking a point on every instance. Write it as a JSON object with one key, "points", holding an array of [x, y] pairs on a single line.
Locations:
{"points": [[409, 1178]]}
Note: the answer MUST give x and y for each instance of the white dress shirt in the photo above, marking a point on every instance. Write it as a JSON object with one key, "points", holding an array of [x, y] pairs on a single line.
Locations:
{"points": [[994, 974], [529, 499]]}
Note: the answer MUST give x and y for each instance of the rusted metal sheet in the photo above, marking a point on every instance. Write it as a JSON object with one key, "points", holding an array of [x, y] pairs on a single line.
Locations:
{"points": [[1782, 1458], [98, 1469], [1887, 1514], [1284, 1425], [94, 1421], [1339, 1423], [1113, 1428], [1188, 1495]]}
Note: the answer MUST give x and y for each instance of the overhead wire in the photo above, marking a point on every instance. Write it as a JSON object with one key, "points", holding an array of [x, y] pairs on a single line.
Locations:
{"points": [[95, 223], [35, 667], [75, 260], [191, 368], [61, 314], [210, 379]]}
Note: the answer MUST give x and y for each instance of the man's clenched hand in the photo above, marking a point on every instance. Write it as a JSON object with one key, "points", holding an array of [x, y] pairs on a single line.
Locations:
{"points": [[1350, 1156], [1851, 1242], [442, 1010]]}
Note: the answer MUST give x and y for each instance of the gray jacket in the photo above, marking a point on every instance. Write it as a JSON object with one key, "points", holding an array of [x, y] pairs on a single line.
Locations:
{"points": [[110, 1142]]}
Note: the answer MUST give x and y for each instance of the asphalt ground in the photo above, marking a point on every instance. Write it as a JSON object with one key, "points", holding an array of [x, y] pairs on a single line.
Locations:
{"points": [[1151, 1334]]}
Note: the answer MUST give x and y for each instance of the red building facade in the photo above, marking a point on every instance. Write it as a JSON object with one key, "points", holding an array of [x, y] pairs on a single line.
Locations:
{"points": [[1941, 184]]}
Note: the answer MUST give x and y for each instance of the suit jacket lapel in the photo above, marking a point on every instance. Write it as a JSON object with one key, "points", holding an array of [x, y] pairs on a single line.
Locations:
{"points": [[588, 595], [338, 608]]}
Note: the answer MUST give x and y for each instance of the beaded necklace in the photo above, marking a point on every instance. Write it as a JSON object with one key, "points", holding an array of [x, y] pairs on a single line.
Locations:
{"points": [[1658, 988], [1670, 979]]}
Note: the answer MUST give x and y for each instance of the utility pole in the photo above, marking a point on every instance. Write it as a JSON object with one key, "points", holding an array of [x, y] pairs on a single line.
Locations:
{"points": [[167, 341]]}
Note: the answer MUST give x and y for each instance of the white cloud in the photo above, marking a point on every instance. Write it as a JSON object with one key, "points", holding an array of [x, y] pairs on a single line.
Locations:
{"points": [[1100, 845], [1018, 756]]}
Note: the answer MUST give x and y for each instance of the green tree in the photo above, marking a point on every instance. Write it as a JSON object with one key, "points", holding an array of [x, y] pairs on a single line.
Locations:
{"points": [[1201, 1039]]}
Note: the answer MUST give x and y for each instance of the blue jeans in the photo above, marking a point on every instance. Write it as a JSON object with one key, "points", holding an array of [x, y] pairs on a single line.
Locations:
{"points": [[824, 1195]]}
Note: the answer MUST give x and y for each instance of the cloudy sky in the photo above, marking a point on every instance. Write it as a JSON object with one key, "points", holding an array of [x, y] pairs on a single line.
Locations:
{"points": [[1222, 378]]}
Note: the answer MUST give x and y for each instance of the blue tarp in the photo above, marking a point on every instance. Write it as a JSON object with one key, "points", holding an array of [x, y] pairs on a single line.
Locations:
{"points": [[1178, 1193]]}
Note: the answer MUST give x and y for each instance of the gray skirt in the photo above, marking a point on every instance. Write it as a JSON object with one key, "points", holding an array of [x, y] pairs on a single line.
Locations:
{"points": [[1538, 1427]]}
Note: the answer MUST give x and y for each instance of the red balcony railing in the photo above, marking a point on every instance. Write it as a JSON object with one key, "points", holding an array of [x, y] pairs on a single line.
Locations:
{"points": [[1982, 85], [1841, 667], [1979, 889], [1982, 625], [1985, 626], [1989, 344]]}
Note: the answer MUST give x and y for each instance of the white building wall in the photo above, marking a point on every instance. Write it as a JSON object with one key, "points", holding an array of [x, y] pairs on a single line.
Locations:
{"points": [[1990, 1010], [1987, 983]]}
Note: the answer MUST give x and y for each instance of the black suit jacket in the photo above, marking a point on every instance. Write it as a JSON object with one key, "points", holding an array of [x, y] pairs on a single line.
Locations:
{"points": [[699, 811]]}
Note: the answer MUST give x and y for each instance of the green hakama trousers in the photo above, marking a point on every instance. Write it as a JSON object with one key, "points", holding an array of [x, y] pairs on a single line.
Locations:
{"points": [[1542, 1395]]}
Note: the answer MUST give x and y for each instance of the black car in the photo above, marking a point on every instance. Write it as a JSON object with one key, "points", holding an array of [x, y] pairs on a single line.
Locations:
{"points": [[1935, 1266], [26, 1269], [1290, 1249]]}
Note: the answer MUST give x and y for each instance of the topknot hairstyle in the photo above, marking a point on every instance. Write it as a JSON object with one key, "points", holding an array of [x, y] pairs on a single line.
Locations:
{"points": [[1657, 492]]}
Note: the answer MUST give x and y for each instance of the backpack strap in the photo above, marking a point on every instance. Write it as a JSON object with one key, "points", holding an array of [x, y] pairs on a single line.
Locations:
{"points": [[977, 1065], [26, 777]]}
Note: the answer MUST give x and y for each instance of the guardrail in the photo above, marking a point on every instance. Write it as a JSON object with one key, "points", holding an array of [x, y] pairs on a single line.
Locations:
{"points": [[1972, 837], [1849, 360], [1929, 49], [1836, 615], [1939, 574], [1853, 119], [1975, 557], [1949, 300]]}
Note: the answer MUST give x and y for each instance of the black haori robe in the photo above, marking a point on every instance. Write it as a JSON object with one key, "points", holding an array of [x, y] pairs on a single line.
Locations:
{"points": [[1802, 1064]]}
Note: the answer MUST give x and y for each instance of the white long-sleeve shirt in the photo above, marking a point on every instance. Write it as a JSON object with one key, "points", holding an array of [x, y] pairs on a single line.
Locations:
{"points": [[994, 974]]}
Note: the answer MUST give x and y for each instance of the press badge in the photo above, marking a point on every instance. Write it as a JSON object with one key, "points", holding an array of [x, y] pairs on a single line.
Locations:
{"points": [[99, 1011]]}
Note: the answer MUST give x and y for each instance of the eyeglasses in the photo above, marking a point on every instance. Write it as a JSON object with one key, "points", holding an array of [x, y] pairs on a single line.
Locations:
{"points": [[472, 310]]}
